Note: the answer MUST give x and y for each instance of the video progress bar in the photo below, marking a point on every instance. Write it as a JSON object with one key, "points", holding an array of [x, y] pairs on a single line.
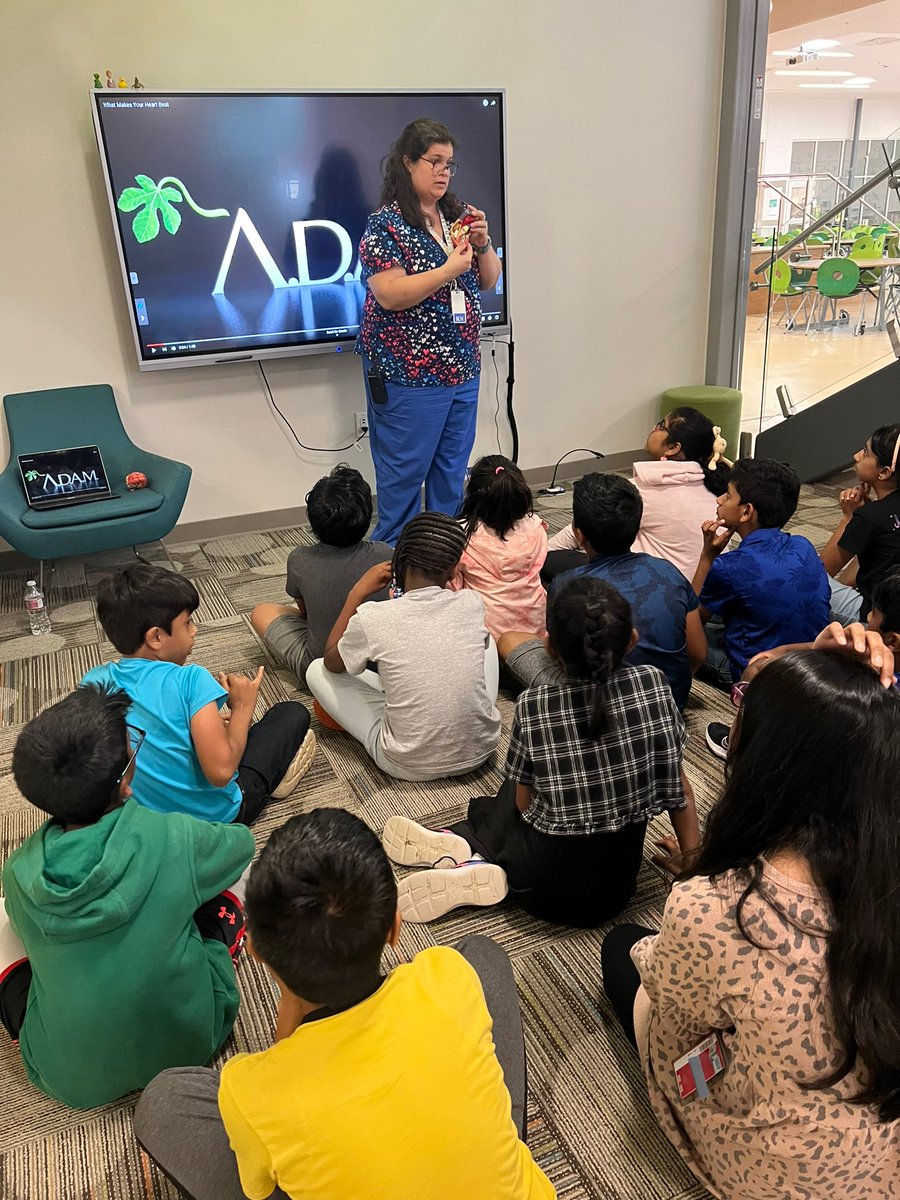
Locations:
{"points": [[241, 337]]}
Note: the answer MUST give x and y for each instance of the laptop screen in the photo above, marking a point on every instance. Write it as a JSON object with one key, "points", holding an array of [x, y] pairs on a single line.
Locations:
{"points": [[57, 474]]}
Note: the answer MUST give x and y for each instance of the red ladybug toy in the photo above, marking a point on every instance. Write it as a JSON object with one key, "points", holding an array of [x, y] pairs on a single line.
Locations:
{"points": [[135, 480]]}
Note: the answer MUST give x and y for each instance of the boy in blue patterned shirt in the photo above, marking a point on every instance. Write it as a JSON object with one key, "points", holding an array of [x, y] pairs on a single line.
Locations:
{"points": [[772, 589]]}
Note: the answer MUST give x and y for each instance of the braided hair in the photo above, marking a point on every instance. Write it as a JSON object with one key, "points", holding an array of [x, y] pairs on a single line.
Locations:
{"points": [[589, 626], [433, 543], [497, 495]]}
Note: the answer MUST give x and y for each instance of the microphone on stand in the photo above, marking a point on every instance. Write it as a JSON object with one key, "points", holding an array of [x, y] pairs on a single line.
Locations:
{"points": [[557, 489]]}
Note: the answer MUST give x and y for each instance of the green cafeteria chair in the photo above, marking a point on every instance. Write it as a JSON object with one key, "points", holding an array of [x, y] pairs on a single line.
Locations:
{"points": [[789, 282], [836, 279], [868, 247]]}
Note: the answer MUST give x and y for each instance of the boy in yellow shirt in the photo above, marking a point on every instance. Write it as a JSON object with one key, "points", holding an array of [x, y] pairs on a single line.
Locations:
{"points": [[355, 1099]]}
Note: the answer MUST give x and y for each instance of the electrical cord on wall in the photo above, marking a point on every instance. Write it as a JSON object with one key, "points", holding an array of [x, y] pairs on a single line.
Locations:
{"points": [[510, 382], [317, 449], [496, 391], [355, 444]]}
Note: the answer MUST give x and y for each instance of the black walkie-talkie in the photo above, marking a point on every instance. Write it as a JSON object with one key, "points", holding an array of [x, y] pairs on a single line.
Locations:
{"points": [[377, 387]]}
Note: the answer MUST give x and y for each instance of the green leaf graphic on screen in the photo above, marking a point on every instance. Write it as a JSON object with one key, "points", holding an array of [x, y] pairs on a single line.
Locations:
{"points": [[31, 476], [158, 200]]}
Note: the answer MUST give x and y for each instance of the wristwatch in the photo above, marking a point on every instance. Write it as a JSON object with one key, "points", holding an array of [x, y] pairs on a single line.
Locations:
{"points": [[484, 249]]}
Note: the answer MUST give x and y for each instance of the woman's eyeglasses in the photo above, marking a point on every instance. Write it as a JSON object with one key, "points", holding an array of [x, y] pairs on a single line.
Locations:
{"points": [[661, 426], [438, 165], [135, 741]]}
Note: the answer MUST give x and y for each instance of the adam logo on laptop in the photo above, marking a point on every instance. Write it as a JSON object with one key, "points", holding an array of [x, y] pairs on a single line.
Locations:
{"points": [[53, 478], [65, 482]]}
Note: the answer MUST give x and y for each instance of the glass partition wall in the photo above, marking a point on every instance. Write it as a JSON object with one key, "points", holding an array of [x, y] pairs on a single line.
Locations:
{"points": [[818, 315]]}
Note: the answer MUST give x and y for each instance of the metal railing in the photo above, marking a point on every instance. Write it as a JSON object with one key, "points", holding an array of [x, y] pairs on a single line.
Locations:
{"points": [[763, 181], [820, 222], [885, 219], [805, 208]]}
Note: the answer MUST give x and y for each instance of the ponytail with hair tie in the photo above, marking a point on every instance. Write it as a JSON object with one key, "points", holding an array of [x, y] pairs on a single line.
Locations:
{"points": [[497, 496]]}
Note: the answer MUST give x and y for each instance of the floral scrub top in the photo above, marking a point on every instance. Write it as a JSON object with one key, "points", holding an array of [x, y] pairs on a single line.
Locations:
{"points": [[420, 346]]}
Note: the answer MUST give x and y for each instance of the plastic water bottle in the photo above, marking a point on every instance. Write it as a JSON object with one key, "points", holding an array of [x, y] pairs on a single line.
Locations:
{"points": [[36, 607]]}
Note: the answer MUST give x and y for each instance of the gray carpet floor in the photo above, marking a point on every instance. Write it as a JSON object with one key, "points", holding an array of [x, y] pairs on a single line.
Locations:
{"points": [[589, 1123]]}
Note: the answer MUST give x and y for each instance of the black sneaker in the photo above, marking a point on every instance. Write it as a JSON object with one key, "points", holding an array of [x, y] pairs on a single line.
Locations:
{"points": [[717, 738]]}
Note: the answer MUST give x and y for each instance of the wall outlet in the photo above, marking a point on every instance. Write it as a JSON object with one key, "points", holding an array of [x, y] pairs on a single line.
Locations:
{"points": [[361, 423]]}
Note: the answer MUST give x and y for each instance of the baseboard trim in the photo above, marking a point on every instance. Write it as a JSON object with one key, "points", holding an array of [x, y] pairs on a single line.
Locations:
{"points": [[541, 476], [285, 518], [260, 522]]}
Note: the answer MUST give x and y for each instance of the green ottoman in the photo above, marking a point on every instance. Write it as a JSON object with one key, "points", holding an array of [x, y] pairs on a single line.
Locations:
{"points": [[721, 404]]}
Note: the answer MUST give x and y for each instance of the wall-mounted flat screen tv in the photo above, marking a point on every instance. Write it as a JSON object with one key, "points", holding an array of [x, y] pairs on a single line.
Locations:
{"points": [[238, 215]]}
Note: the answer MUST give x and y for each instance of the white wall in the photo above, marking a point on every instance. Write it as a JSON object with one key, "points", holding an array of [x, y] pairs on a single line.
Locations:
{"points": [[820, 116], [605, 101]]}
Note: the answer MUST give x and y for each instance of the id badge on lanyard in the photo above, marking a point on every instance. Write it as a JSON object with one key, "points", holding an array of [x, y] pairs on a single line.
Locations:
{"points": [[458, 299], [458, 305]]}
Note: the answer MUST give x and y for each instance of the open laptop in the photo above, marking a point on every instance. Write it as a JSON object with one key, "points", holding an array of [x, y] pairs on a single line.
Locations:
{"points": [[56, 478]]}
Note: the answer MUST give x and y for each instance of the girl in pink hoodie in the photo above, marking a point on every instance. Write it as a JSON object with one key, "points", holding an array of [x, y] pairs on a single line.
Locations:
{"points": [[679, 489], [506, 548]]}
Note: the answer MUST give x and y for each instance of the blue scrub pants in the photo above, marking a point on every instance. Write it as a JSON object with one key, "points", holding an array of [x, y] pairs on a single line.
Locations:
{"points": [[422, 434]]}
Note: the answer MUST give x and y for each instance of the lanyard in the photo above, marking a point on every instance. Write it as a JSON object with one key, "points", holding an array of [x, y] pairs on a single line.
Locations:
{"points": [[446, 244]]}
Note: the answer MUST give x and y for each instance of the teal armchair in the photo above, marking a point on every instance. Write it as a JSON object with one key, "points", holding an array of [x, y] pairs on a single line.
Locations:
{"points": [[85, 416]]}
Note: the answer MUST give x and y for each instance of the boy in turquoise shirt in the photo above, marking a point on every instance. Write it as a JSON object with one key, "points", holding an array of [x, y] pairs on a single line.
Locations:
{"points": [[192, 760], [123, 964]]}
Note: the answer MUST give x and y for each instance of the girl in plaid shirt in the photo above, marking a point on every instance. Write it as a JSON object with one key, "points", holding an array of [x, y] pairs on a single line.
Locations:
{"points": [[590, 760]]}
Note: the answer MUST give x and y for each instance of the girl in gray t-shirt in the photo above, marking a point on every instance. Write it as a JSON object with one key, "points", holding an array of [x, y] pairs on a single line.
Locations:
{"points": [[430, 711]]}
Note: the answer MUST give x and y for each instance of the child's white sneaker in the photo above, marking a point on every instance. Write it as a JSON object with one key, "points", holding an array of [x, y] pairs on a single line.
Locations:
{"points": [[412, 845], [427, 895], [299, 765]]}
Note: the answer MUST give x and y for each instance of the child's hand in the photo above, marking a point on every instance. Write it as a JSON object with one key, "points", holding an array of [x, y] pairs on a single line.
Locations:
{"points": [[242, 692], [758, 661], [853, 498], [715, 539], [670, 857], [864, 643], [376, 579]]}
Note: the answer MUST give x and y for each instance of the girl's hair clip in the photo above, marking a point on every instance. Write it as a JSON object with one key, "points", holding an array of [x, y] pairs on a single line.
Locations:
{"points": [[497, 470]]}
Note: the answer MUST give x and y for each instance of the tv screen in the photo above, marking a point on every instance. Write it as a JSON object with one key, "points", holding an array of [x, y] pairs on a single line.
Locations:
{"points": [[238, 215]]}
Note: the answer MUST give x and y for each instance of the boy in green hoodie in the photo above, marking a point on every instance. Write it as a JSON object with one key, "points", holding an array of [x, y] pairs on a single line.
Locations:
{"points": [[124, 964]]}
